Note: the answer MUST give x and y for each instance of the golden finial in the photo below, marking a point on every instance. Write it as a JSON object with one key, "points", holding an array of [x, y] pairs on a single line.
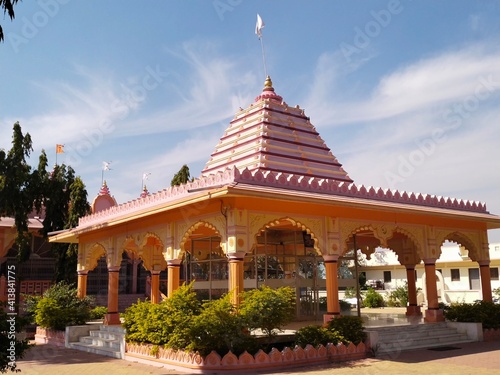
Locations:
{"points": [[268, 83]]}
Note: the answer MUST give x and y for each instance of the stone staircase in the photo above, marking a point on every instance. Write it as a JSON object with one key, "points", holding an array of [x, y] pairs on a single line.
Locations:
{"points": [[389, 341], [104, 340]]}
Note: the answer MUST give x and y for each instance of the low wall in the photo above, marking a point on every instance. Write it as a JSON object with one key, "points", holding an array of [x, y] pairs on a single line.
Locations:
{"points": [[491, 334], [230, 363], [49, 336]]}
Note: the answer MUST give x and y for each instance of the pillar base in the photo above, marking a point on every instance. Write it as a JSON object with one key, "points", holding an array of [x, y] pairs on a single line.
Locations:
{"points": [[329, 316], [413, 311], [434, 316], [112, 319]]}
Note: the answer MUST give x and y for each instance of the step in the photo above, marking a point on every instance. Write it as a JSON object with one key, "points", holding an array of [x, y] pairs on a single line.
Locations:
{"points": [[100, 342], [108, 352], [406, 337], [107, 340]]}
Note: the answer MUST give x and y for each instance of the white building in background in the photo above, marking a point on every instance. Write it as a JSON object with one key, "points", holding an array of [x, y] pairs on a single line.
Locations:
{"points": [[457, 276]]}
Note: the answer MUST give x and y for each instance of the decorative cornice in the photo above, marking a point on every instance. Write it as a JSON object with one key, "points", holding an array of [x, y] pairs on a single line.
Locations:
{"points": [[270, 179], [332, 187]]}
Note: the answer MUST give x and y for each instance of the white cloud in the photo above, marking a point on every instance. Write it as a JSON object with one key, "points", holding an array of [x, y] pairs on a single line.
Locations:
{"points": [[445, 78], [428, 127]]}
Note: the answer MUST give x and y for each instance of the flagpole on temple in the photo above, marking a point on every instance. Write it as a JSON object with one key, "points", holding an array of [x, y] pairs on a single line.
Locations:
{"points": [[258, 30], [105, 167], [59, 150]]}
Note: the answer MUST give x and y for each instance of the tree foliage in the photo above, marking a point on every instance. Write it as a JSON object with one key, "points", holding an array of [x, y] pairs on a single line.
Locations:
{"points": [[59, 194], [11, 348], [19, 187], [181, 177], [8, 8], [65, 201]]}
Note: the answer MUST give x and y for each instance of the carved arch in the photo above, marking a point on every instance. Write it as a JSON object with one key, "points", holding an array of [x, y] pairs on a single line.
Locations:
{"points": [[130, 246], [151, 252], [407, 258], [462, 239], [367, 245], [294, 223], [193, 228], [92, 256]]}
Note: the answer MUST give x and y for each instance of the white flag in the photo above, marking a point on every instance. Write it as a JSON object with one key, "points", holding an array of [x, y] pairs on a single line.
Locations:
{"points": [[105, 166], [259, 26], [146, 175]]}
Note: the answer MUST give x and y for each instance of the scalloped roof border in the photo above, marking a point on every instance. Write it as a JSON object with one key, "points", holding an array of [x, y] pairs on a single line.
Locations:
{"points": [[282, 181]]}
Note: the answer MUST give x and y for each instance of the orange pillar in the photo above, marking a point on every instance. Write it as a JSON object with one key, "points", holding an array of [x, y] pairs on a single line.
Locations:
{"points": [[433, 313], [332, 287], [173, 276], [236, 283], [113, 316], [412, 309], [484, 266], [155, 286], [82, 284]]}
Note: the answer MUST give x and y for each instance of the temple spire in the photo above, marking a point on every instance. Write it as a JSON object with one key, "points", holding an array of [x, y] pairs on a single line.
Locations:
{"points": [[268, 91]]}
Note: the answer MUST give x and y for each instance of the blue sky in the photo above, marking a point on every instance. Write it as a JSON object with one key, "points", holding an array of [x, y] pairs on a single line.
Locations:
{"points": [[405, 93]]}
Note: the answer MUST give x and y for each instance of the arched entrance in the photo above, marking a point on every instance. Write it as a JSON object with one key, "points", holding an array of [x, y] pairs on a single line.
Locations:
{"points": [[285, 255], [205, 263]]}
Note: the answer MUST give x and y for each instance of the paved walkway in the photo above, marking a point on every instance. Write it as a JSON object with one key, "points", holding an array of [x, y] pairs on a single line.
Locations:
{"points": [[472, 358]]}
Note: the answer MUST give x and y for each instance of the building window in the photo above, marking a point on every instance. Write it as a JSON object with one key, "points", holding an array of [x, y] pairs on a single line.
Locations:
{"points": [[455, 274], [387, 277], [497, 248], [494, 273]]}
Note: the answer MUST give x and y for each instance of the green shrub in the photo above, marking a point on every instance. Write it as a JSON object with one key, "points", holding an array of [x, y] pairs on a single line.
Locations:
{"points": [[350, 328], [316, 335], [60, 307], [344, 305], [350, 293], [180, 322], [496, 293], [98, 312], [373, 299], [268, 309], [219, 328], [398, 297], [483, 312], [30, 302], [166, 323]]}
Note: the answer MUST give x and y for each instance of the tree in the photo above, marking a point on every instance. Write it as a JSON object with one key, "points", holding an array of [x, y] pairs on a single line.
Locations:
{"points": [[61, 195], [19, 187], [181, 177], [11, 348], [65, 201], [8, 8]]}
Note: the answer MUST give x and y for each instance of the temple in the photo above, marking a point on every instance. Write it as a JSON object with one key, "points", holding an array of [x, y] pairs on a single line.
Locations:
{"points": [[274, 206]]}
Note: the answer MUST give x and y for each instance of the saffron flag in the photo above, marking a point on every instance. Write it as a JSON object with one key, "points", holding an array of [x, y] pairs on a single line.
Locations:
{"points": [[259, 26], [59, 149]]}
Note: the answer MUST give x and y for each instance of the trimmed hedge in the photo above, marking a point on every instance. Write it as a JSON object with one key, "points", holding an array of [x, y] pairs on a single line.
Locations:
{"points": [[483, 312]]}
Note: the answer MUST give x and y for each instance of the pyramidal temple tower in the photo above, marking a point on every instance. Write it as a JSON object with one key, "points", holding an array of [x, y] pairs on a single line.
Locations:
{"points": [[271, 136]]}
